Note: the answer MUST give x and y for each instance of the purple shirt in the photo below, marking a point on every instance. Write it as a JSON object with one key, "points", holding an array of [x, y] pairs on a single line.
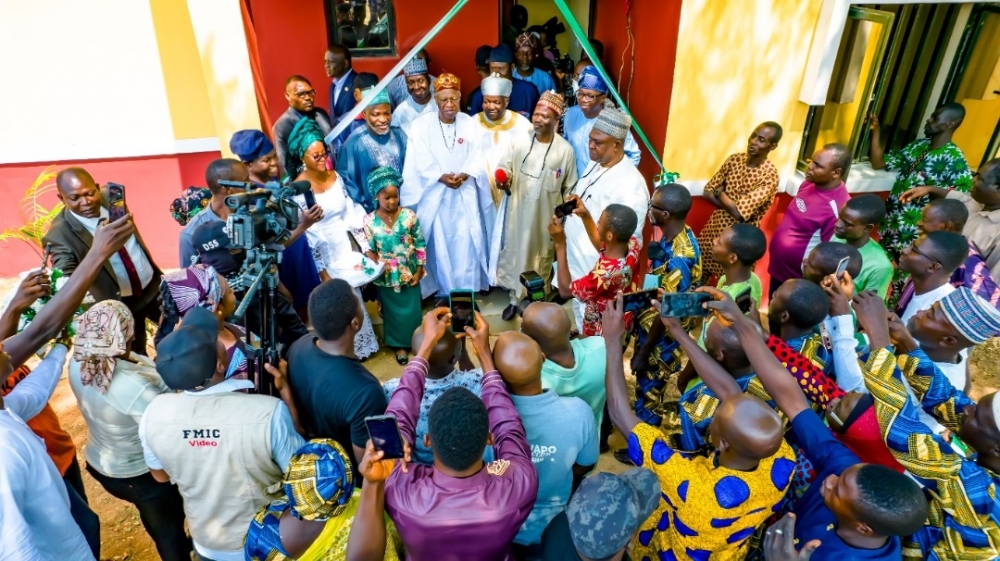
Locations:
{"points": [[809, 220], [975, 275], [442, 518]]}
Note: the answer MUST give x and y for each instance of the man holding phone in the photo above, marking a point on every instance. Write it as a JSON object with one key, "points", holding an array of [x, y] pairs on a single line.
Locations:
{"points": [[426, 502], [130, 275]]}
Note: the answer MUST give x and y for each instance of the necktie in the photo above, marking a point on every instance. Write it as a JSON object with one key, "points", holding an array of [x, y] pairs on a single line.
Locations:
{"points": [[133, 276]]}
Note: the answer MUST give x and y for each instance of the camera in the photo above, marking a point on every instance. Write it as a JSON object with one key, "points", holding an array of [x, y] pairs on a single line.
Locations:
{"points": [[535, 285], [263, 216]]}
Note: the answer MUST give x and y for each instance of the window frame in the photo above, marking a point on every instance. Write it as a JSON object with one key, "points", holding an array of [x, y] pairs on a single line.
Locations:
{"points": [[874, 88], [333, 35]]}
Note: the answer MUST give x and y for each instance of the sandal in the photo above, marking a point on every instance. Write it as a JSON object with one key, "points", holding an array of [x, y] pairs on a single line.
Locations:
{"points": [[622, 457], [402, 359]]}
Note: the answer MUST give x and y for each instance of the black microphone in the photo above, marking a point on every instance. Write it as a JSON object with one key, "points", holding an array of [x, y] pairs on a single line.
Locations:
{"points": [[236, 184], [299, 187]]}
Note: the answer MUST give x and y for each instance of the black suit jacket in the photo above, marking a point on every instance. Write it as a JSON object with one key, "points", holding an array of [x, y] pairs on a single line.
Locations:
{"points": [[346, 101], [70, 243]]}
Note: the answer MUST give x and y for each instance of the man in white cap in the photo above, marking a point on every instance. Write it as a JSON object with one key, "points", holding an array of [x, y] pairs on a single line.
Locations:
{"points": [[397, 87], [420, 99], [609, 178], [443, 179], [542, 169], [499, 126]]}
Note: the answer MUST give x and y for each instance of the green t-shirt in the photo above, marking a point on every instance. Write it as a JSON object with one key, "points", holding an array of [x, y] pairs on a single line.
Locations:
{"points": [[734, 290], [586, 379], [876, 268]]}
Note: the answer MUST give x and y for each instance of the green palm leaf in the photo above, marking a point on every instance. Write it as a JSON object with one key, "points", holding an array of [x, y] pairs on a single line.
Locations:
{"points": [[35, 218]]}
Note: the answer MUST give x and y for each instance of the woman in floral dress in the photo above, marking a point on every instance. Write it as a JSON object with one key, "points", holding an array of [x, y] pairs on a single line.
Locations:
{"points": [[394, 234]]}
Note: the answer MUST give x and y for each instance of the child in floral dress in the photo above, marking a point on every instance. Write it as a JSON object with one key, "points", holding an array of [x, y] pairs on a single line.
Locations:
{"points": [[396, 241]]}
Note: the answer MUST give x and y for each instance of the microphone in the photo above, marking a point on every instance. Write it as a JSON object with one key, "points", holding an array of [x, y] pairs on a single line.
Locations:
{"points": [[501, 175], [299, 187]]}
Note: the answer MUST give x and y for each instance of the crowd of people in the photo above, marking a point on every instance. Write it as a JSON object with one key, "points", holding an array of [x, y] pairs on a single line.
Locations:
{"points": [[836, 425]]}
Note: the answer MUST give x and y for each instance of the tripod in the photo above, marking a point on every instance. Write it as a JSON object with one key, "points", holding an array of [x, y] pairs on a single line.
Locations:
{"points": [[261, 266]]}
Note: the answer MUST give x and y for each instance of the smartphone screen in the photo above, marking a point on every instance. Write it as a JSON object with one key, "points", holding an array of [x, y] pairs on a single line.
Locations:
{"points": [[116, 201], [462, 314], [635, 301], [565, 209], [684, 305], [743, 300], [842, 266], [384, 433]]}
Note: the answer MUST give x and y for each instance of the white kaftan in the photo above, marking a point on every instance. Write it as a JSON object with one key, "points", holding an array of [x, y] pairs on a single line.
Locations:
{"points": [[404, 115], [457, 223]]}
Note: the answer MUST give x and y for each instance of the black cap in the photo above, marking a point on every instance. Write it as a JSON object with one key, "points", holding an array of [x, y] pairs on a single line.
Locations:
{"points": [[214, 248], [186, 358], [483, 55]]}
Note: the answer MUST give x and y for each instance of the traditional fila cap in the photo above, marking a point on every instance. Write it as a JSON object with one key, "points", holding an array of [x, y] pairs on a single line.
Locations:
{"points": [[496, 84], [975, 318], [415, 66], [553, 101], [613, 122]]}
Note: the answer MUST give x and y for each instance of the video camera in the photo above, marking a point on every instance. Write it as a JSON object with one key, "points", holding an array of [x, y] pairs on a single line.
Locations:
{"points": [[263, 216], [262, 219]]}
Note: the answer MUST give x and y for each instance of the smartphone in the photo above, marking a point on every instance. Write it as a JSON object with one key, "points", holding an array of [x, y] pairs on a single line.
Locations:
{"points": [[842, 266], [116, 201], [463, 305], [310, 198], [743, 300], [383, 430], [684, 304], [651, 281], [565, 209], [635, 301]]}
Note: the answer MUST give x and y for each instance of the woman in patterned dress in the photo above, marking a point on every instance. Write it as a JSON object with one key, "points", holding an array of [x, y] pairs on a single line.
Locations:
{"points": [[743, 189]]}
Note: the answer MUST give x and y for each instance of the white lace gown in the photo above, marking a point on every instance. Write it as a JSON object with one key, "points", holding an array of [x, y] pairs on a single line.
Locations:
{"points": [[332, 250]]}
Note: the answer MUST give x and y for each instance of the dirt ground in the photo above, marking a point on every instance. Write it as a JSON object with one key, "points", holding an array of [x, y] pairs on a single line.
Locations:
{"points": [[124, 538]]}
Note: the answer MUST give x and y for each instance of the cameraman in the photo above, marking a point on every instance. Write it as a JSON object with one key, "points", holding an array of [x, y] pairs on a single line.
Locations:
{"points": [[215, 249]]}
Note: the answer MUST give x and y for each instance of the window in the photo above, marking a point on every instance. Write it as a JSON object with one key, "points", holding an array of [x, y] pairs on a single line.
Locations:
{"points": [[975, 83], [888, 62], [367, 27]]}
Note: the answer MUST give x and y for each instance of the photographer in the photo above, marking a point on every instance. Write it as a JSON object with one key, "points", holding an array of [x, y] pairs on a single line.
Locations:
{"points": [[216, 250]]}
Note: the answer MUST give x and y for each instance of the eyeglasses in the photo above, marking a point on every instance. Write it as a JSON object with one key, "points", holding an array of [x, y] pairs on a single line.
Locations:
{"points": [[581, 96], [915, 249], [650, 205], [318, 157], [305, 94]]}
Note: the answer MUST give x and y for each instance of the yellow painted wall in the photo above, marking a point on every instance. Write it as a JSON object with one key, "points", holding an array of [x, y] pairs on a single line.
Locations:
{"points": [[982, 106], [187, 94], [738, 63], [225, 67]]}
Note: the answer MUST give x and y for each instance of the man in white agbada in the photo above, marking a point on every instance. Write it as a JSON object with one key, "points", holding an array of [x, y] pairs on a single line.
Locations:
{"points": [[609, 178], [444, 180], [542, 170], [498, 127], [420, 98]]}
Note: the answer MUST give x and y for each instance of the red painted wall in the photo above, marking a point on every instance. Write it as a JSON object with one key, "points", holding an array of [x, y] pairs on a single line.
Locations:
{"points": [[293, 40], [151, 184], [655, 25]]}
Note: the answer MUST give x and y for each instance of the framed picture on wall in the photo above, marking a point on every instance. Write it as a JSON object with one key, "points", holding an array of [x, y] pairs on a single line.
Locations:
{"points": [[366, 27]]}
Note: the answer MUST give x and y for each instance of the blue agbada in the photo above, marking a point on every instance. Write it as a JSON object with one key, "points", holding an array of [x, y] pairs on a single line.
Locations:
{"points": [[364, 151]]}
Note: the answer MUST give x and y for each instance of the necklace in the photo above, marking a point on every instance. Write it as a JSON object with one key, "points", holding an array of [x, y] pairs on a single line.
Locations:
{"points": [[544, 157], [454, 136], [584, 196]]}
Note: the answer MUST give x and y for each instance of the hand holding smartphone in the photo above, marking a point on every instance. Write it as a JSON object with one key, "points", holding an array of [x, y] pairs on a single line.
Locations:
{"points": [[383, 430], [842, 266], [684, 304], [463, 306], [635, 301], [116, 201], [744, 301], [566, 209]]}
